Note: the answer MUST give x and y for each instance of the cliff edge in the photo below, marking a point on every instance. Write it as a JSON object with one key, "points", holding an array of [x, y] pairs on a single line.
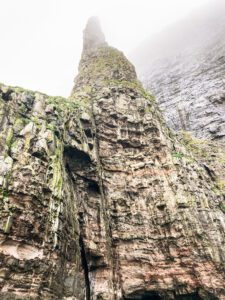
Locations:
{"points": [[99, 199]]}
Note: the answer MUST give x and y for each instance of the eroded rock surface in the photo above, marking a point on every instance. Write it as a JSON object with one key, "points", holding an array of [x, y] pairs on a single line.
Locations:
{"points": [[99, 199], [39, 237], [184, 67]]}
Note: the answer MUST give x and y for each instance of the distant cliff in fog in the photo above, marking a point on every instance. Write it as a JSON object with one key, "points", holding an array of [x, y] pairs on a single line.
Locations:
{"points": [[184, 67]]}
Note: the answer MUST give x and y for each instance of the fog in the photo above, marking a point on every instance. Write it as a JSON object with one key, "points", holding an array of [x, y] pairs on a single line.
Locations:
{"points": [[197, 32], [41, 40]]}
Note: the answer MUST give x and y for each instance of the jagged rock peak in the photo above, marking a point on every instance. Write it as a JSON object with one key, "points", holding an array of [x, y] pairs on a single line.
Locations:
{"points": [[99, 200], [101, 64], [93, 37]]}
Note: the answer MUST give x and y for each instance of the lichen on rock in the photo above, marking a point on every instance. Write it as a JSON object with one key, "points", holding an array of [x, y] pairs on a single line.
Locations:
{"points": [[99, 199]]}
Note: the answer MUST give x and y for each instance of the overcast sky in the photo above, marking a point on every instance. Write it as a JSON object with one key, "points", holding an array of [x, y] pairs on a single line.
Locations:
{"points": [[41, 40]]}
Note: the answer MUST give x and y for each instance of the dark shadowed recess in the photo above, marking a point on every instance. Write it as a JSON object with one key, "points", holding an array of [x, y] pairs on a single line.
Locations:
{"points": [[85, 268], [77, 158], [76, 162], [156, 296]]}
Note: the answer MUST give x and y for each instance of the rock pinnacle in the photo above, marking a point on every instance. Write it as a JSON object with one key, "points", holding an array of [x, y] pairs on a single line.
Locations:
{"points": [[93, 37]]}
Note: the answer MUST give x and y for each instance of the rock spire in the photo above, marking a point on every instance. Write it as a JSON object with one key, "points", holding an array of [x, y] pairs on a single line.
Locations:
{"points": [[93, 36], [99, 200]]}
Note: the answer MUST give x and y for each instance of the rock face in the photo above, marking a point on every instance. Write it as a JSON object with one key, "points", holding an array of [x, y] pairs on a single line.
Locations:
{"points": [[39, 231], [100, 200], [184, 68]]}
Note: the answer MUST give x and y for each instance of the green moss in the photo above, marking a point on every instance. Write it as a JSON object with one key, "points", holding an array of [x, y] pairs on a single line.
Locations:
{"points": [[27, 142], [79, 100], [71, 104], [107, 59], [194, 145], [36, 120], [7, 207], [57, 179], [19, 123], [86, 89], [221, 159], [20, 90], [14, 145], [9, 137], [222, 206], [177, 155], [105, 63], [3, 197], [147, 95], [8, 224], [56, 187], [5, 194], [51, 127], [134, 85], [219, 187], [148, 109]]}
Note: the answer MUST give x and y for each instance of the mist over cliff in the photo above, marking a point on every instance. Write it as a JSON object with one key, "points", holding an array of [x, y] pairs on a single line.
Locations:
{"points": [[183, 67], [202, 28], [99, 198]]}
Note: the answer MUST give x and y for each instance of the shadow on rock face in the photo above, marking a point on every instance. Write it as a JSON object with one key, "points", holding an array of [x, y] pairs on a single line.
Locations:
{"points": [[77, 159], [144, 296], [156, 296]]}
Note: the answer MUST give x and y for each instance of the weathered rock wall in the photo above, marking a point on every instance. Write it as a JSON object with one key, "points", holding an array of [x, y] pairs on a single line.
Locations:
{"points": [[161, 204], [190, 90], [39, 230], [183, 66], [100, 200]]}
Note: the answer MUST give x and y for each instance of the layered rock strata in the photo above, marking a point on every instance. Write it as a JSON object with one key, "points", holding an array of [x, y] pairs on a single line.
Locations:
{"points": [[99, 199], [190, 90], [184, 67]]}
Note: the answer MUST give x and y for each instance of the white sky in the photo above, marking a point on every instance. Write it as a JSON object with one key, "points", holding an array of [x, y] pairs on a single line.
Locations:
{"points": [[41, 40]]}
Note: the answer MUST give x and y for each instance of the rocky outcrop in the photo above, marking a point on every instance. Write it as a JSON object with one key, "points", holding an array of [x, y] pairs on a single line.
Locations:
{"points": [[39, 231], [99, 199], [184, 68]]}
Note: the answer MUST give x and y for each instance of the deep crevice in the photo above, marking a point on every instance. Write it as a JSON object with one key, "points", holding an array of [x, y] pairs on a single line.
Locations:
{"points": [[156, 296], [93, 187], [6, 96], [85, 268], [144, 296], [210, 172], [88, 132], [77, 159], [39, 155]]}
